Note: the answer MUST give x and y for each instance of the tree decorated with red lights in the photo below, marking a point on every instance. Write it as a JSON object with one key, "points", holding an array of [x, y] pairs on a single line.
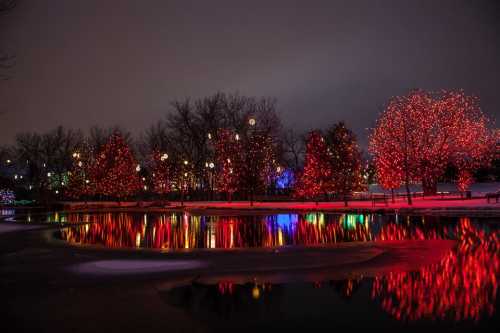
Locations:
{"points": [[316, 178], [115, 171], [163, 174], [258, 162], [228, 161], [345, 160], [421, 133], [389, 176], [79, 183]]}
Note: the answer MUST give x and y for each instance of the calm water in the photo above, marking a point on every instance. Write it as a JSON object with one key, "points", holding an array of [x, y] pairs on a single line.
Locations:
{"points": [[460, 292], [183, 231]]}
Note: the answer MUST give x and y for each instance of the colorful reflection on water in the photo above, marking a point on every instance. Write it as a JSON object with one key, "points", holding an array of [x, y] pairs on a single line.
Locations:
{"points": [[183, 231], [461, 288]]}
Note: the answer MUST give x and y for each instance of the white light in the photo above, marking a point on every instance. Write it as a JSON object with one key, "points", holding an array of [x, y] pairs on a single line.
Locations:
{"points": [[21, 177], [57, 192], [186, 162], [49, 174], [211, 165], [44, 165], [209, 136], [87, 181], [164, 157], [143, 178], [30, 187], [251, 121], [8, 161], [185, 174], [228, 160], [206, 164], [15, 176], [75, 155], [138, 168], [62, 183], [80, 163], [278, 169], [145, 188], [237, 136]]}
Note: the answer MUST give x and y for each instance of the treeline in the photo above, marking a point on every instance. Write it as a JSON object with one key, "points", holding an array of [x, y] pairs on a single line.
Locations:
{"points": [[44, 165], [228, 146]]}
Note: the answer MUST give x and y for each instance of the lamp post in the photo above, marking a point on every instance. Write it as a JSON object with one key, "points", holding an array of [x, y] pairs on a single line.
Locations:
{"points": [[252, 177], [211, 169]]}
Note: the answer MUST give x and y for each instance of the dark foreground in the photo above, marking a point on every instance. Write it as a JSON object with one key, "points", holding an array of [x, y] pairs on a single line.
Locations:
{"points": [[448, 283]]}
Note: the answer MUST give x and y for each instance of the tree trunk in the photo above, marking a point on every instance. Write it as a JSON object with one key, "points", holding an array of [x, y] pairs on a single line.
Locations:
{"points": [[429, 186], [408, 193]]}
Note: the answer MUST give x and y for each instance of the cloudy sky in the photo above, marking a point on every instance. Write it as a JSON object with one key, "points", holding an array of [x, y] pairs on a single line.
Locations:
{"points": [[104, 62]]}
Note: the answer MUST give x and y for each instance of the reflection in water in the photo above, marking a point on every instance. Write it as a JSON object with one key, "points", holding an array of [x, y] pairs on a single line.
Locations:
{"points": [[184, 231], [462, 287]]}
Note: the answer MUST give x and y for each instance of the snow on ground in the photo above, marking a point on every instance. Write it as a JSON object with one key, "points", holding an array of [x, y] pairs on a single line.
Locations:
{"points": [[418, 203], [9, 227], [135, 266], [477, 189]]}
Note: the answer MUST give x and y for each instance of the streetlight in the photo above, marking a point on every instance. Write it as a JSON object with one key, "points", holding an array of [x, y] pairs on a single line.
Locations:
{"points": [[211, 167], [251, 121]]}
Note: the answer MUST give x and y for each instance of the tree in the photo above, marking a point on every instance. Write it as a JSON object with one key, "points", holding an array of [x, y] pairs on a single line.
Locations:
{"points": [[258, 162], [79, 182], [294, 149], [45, 159], [162, 173], [345, 160], [316, 178], [6, 60], [228, 161], [420, 134], [115, 171]]}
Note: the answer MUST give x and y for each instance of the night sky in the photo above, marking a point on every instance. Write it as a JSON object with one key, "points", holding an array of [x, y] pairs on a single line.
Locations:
{"points": [[103, 62]]}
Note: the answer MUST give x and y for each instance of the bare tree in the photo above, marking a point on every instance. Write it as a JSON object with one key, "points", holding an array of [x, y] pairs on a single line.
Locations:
{"points": [[6, 60], [294, 148]]}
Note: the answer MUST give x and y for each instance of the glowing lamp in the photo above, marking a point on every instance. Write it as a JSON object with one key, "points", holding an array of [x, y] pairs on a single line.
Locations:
{"points": [[8, 161], [138, 168], [49, 174], [80, 163], [186, 162], [251, 121], [211, 165], [164, 157], [87, 181], [255, 292], [237, 137], [209, 136]]}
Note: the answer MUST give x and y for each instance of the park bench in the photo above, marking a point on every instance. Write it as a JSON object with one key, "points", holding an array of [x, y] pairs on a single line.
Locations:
{"points": [[379, 198], [493, 195]]}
